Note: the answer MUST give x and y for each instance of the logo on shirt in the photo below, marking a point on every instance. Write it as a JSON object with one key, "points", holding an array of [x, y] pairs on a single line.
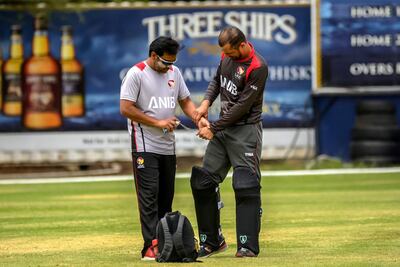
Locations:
{"points": [[240, 70], [228, 85], [171, 84], [140, 163], [162, 102]]}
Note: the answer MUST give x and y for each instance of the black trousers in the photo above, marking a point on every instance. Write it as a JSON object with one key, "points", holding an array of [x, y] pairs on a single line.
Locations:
{"points": [[155, 183], [238, 147]]}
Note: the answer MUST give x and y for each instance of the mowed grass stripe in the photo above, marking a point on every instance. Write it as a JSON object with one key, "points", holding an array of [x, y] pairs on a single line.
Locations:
{"points": [[279, 173], [342, 220]]}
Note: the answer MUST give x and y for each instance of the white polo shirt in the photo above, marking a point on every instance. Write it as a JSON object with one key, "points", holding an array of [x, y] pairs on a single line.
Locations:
{"points": [[157, 95]]}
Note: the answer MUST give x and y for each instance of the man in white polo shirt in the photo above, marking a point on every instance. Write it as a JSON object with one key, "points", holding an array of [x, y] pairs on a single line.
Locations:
{"points": [[150, 93]]}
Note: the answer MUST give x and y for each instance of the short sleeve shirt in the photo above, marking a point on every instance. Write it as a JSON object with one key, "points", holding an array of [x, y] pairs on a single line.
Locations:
{"points": [[157, 95]]}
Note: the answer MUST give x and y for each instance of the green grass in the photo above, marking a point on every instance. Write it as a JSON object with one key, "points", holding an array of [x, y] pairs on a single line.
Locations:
{"points": [[340, 220]]}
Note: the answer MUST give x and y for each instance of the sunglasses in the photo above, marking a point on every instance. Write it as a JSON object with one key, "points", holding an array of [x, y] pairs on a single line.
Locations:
{"points": [[165, 62]]}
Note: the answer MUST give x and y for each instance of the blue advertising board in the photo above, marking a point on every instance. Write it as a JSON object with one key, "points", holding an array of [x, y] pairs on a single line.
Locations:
{"points": [[360, 42], [109, 41]]}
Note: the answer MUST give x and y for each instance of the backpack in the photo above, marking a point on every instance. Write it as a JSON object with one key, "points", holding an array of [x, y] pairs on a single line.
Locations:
{"points": [[175, 238]]}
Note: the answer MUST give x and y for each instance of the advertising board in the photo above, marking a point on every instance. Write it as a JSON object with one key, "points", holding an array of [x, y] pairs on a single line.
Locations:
{"points": [[107, 42]]}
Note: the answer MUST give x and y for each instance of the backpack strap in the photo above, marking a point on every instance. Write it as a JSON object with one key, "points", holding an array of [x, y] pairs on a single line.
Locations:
{"points": [[178, 238], [168, 245]]}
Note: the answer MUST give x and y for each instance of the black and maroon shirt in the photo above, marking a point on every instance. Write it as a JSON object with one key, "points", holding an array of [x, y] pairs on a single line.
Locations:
{"points": [[240, 84]]}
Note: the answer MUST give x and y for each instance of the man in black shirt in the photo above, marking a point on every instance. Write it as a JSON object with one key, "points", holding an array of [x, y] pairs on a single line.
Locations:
{"points": [[235, 141]]}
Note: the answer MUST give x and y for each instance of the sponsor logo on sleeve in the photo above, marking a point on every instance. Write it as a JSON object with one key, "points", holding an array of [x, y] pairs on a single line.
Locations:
{"points": [[255, 88]]}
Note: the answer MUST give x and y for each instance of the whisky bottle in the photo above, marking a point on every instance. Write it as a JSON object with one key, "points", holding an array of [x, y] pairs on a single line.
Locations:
{"points": [[12, 93], [73, 101], [41, 109]]}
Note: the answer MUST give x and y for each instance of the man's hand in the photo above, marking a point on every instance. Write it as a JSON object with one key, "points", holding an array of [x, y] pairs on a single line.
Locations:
{"points": [[201, 111], [205, 133], [203, 123], [168, 124]]}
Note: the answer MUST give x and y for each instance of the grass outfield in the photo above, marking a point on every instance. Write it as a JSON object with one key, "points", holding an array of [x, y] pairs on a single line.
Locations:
{"points": [[334, 220]]}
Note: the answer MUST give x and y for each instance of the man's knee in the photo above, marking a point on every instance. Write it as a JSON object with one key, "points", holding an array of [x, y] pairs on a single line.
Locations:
{"points": [[201, 179], [245, 179]]}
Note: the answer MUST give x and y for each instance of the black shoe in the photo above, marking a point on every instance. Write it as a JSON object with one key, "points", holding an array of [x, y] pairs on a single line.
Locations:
{"points": [[245, 252], [206, 251]]}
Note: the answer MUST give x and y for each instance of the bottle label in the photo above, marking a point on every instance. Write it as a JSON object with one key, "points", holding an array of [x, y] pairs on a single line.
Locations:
{"points": [[12, 87], [42, 93], [72, 84]]}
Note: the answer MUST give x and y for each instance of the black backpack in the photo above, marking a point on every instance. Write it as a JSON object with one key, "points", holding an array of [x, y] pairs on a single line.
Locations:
{"points": [[176, 241]]}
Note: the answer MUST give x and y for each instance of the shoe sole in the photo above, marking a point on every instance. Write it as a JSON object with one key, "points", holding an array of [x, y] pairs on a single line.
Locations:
{"points": [[245, 256], [222, 249], [148, 259], [250, 254]]}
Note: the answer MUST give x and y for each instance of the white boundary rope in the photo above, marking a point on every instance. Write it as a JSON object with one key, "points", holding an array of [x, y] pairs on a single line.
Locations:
{"points": [[187, 175]]}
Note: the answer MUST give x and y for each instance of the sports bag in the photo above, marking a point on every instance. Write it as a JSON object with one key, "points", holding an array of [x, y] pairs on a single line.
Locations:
{"points": [[175, 239]]}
